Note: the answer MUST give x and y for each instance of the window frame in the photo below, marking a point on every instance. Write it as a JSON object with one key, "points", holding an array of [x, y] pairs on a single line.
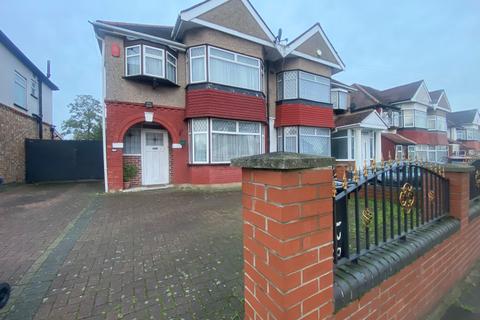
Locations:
{"points": [[236, 55], [174, 65], [25, 89], [350, 144], [337, 92], [204, 56], [192, 141], [298, 72], [125, 144], [144, 61], [34, 83], [126, 60]]}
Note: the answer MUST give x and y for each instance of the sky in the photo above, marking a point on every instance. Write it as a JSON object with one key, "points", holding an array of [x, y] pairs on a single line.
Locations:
{"points": [[383, 43]]}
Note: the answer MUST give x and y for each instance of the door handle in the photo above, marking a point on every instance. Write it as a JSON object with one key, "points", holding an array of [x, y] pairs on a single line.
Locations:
{"points": [[155, 148]]}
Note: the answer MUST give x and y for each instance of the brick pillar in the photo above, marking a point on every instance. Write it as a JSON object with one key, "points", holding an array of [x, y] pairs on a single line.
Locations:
{"points": [[459, 193], [288, 233]]}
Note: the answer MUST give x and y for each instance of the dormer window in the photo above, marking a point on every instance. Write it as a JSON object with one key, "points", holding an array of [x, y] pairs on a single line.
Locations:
{"points": [[339, 99], [144, 61]]}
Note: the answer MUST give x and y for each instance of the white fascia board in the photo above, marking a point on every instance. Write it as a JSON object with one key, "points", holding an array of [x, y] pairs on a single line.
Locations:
{"points": [[126, 32], [322, 61], [316, 28], [232, 32], [195, 12]]}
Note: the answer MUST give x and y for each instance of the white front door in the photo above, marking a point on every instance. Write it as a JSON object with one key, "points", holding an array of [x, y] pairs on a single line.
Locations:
{"points": [[366, 147], [155, 160]]}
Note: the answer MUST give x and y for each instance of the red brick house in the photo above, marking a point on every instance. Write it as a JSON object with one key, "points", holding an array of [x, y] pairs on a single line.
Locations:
{"points": [[181, 101], [464, 134]]}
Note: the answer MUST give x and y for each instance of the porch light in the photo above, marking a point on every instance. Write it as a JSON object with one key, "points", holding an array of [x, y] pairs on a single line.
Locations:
{"points": [[148, 104]]}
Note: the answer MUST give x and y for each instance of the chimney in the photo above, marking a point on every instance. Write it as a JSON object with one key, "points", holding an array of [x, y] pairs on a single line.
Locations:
{"points": [[48, 69]]}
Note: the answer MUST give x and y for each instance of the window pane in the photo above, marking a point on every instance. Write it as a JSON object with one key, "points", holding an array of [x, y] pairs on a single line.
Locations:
{"points": [[198, 69], [408, 118], [20, 94], [131, 141], [251, 61], [133, 65], [155, 52], [318, 145], [420, 119], [334, 99], [343, 100], [228, 146], [340, 148], [171, 73], [233, 74], [200, 147], [315, 89], [224, 125], [248, 127], [154, 139], [133, 51], [290, 85], [200, 125], [222, 54], [198, 51], [154, 66]]}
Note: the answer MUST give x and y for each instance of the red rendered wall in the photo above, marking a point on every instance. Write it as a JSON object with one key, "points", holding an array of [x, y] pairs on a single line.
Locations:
{"points": [[425, 136], [304, 115], [388, 149]]}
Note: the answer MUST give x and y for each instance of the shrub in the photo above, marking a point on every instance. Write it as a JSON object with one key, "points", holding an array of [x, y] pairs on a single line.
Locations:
{"points": [[129, 172]]}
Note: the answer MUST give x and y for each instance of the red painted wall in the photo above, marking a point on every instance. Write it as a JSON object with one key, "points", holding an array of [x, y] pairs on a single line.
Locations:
{"points": [[304, 115], [425, 136], [388, 149], [471, 144], [220, 104]]}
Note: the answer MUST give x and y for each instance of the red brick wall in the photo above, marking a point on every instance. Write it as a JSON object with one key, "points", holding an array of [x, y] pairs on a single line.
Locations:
{"points": [[388, 149], [414, 291], [214, 174], [136, 161], [475, 145], [304, 115], [221, 104]]}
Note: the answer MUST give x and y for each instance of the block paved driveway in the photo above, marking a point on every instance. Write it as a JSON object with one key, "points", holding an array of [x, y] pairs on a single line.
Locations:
{"points": [[71, 252]]}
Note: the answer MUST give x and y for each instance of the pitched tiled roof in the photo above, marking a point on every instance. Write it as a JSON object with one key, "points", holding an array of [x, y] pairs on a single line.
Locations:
{"points": [[352, 118], [435, 95], [363, 97], [153, 30], [397, 139], [401, 93], [461, 117]]}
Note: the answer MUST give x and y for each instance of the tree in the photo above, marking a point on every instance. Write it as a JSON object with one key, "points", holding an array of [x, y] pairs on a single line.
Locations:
{"points": [[85, 122]]}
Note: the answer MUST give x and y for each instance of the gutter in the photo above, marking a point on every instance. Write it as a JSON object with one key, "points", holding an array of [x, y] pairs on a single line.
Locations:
{"points": [[126, 32]]}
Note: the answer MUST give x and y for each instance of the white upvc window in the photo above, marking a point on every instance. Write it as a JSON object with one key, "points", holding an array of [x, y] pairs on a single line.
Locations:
{"points": [[399, 152], [343, 145], [153, 62], [20, 90], [421, 152], [34, 87], [461, 134], [438, 123], [199, 140], [306, 140], [442, 154], [303, 85], [171, 68], [339, 99], [234, 69], [414, 119], [432, 122], [431, 154], [133, 58], [198, 64], [220, 140], [411, 152]]}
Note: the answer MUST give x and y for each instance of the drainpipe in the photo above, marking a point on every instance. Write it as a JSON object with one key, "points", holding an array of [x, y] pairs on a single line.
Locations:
{"points": [[104, 116], [267, 64]]}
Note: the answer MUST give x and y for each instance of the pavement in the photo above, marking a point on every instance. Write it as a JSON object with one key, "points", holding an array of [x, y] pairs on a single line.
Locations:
{"points": [[463, 301], [71, 252]]}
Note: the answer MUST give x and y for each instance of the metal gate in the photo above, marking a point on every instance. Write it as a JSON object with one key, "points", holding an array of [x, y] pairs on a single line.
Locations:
{"points": [[55, 160]]}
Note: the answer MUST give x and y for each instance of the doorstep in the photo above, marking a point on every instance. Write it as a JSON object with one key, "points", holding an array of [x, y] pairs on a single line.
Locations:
{"points": [[146, 188]]}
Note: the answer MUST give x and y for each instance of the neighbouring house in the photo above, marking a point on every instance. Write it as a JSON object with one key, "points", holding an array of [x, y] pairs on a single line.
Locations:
{"points": [[464, 134], [415, 118], [25, 108], [181, 101]]}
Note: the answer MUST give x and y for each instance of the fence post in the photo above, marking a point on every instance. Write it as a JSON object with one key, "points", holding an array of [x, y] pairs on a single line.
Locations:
{"points": [[288, 233], [459, 191]]}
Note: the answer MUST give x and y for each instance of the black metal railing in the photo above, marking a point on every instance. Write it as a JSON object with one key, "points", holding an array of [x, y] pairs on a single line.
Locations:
{"points": [[475, 180], [383, 203]]}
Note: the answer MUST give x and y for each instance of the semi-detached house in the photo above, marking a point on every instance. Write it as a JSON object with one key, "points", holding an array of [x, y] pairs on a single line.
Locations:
{"points": [[181, 101]]}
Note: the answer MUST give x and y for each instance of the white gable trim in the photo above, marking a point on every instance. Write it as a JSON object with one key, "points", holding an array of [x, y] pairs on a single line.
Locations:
{"points": [[197, 11], [443, 95], [232, 32], [372, 121], [424, 86], [476, 120], [322, 61], [307, 35]]}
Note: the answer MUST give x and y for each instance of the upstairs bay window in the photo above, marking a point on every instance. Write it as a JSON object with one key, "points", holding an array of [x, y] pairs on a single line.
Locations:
{"points": [[339, 99], [391, 118], [414, 119], [147, 61], [303, 85], [225, 68], [220, 140], [307, 140], [437, 123]]}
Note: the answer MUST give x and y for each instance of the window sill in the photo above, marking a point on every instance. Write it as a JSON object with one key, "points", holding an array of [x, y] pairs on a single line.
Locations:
{"points": [[20, 107], [34, 96], [209, 164]]}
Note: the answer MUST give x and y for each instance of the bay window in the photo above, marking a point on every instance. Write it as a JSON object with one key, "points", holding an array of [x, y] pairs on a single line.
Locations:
{"points": [[220, 140], [438, 123], [225, 68], [431, 154], [414, 118], [421, 151], [146, 61], [303, 85], [307, 140], [442, 154], [339, 99], [411, 152], [343, 146], [461, 134], [392, 118], [399, 152]]}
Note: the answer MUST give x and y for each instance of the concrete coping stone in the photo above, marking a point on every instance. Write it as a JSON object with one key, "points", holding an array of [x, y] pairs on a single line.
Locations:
{"points": [[283, 161], [457, 167]]}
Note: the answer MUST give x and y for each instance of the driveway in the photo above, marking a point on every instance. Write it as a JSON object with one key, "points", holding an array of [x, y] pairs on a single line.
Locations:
{"points": [[166, 254]]}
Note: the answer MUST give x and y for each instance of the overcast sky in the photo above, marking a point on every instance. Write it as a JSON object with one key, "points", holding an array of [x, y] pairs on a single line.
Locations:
{"points": [[383, 43]]}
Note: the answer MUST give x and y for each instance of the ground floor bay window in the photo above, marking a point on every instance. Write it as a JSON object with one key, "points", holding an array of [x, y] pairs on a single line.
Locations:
{"points": [[217, 141], [301, 139], [428, 153]]}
